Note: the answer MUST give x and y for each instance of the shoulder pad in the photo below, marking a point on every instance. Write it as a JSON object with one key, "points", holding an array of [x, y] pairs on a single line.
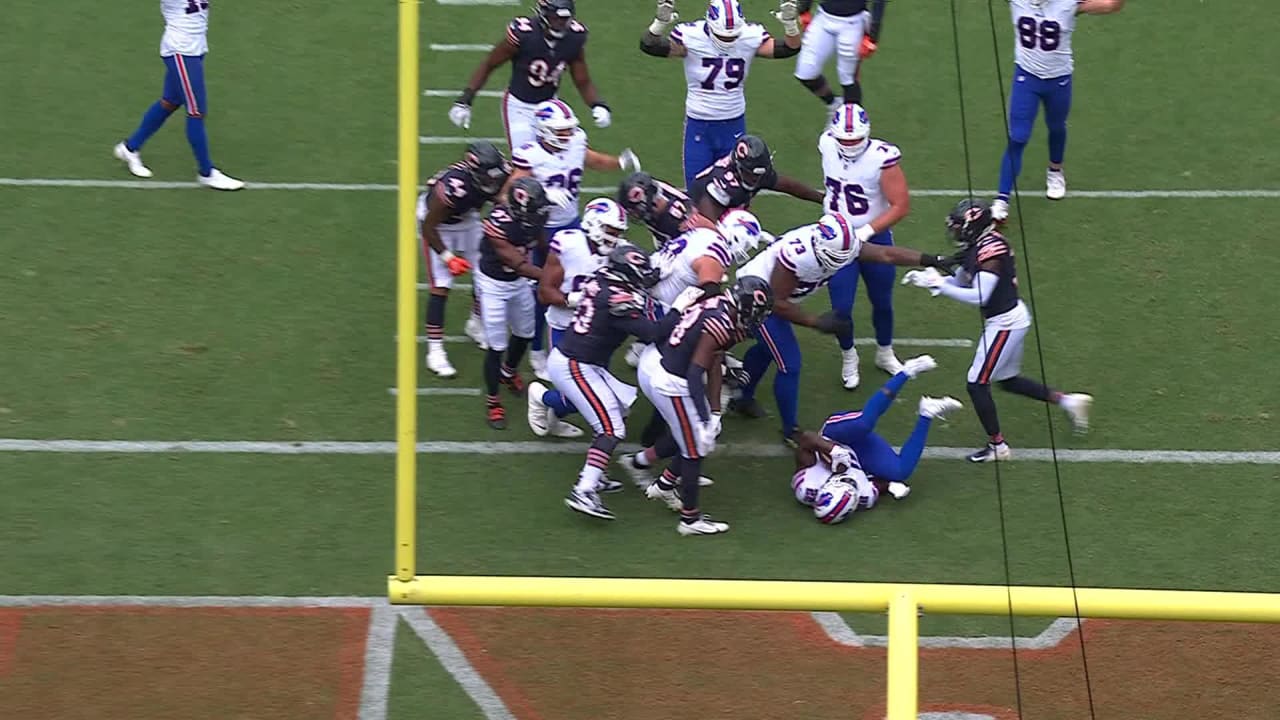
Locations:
{"points": [[577, 27], [519, 28]]}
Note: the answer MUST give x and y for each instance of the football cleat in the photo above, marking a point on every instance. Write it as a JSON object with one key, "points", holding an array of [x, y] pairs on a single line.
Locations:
{"points": [[475, 331], [587, 503], [538, 361], [887, 361], [497, 417], [748, 407], [991, 453], [999, 210], [849, 369], [938, 407], [633, 354], [438, 363], [539, 413], [899, 490], [561, 429], [217, 180], [918, 364], [671, 497], [608, 485], [132, 160], [641, 476], [1055, 184], [512, 382], [1077, 407], [703, 525]]}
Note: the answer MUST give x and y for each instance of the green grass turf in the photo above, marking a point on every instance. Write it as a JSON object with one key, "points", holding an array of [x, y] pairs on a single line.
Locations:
{"points": [[420, 686]]}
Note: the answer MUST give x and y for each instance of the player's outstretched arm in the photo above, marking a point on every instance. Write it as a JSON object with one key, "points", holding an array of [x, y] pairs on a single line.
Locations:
{"points": [[795, 188], [513, 258], [500, 55], [783, 283], [877, 20], [625, 161], [788, 14], [906, 257], [582, 79], [1099, 7], [549, 284], [655, 41], [436, 214]]}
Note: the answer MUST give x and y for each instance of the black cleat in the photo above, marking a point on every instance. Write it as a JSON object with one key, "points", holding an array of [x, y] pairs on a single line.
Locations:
{"points": [[749, 407]]}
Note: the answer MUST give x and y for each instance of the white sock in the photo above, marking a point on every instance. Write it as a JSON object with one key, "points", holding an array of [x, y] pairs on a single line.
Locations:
{"points": [[641, 460], [435, 347], [588, 479]]}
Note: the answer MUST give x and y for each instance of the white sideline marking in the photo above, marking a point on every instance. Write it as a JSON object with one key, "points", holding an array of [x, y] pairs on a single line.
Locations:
{"points": [[455, 662], [455, 93], [462, 391], [192, 601], [464, 47], [456, 286], [954, 715], [379, 649], [548, 447], [478, 2], [457, 140], [839, 631], [389, 187]]}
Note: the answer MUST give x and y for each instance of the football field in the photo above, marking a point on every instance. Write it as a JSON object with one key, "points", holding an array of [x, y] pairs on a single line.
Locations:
{"points": [[196, 473]]}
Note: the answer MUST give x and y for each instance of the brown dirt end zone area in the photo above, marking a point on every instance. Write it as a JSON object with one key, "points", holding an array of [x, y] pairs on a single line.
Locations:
{"points": [[632, 665], [153, 663]]}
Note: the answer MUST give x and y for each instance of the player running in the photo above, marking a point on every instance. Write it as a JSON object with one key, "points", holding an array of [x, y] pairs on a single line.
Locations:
{"points": [[558, 159], [865, 185], [1043, 63], [539, 49], [573, 258], [449, 225], [988, 278], [182, 48], [738, 177], [511, 231], [848, 29], [612, 308], [795, 266], [681, 377], [717, 54]]}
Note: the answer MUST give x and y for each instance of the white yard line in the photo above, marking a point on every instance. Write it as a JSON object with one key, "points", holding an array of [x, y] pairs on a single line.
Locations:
{"points": [[438, 391], [455, 662], [478, 2], [551, 447], [838, 630], [459, 140], [389, 187], [379, 651], [463, 47], [455, 93], [456, 286]]}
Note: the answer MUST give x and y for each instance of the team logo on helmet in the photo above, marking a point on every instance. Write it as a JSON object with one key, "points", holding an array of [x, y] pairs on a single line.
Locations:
{"points": [[713, 12], [973, 214], [827, 232], [520, 195]]}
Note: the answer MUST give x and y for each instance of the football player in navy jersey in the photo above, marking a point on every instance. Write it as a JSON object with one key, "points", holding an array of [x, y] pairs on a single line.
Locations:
{"points": [[988, 278], [539, 50], [735, 179]]}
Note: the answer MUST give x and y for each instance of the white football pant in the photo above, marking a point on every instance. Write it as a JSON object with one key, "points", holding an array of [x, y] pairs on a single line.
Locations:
{"points": [[604, 400], [829, 32], [998, 355], [505, 305], [678, 410], [517, 119], [463, 240]]}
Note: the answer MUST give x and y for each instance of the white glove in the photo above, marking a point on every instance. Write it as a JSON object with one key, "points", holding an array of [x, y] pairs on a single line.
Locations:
{"points": [[841, 459], [573, 299], [928, 278], [864, 233], [716, 423], [460, 115], [899, 490], [664, 17], [919, 364], [787, 15], [601, 115], [627, 160], [560, 196], [687, 297], [705, 436]]}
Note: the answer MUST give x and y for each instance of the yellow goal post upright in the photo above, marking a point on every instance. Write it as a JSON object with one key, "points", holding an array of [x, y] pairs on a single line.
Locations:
{"points": [[903, 602]]}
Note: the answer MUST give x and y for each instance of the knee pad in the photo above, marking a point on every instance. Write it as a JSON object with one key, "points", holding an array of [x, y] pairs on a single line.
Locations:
{"points": [[813, 83], [852, 92]]}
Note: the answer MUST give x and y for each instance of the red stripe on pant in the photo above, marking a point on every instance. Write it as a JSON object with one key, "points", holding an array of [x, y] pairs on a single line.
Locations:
{"points": [[686, 427], [193, 107], [575, 372], [773, 349], [993, 357]]}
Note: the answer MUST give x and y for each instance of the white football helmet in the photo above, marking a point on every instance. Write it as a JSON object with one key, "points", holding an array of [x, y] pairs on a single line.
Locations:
{"points": [[851, 128], [604, 222], [555, 124], [725, 21], [833, 242], [836, 501], [744, 233]]}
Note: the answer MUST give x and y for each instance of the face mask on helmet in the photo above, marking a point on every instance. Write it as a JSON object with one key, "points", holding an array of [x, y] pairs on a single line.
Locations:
{"points": [[555, 16], [832, 242], [555, 125], [636, 194], [744, 233], [724, 23], [604, 223], [851, 128]]}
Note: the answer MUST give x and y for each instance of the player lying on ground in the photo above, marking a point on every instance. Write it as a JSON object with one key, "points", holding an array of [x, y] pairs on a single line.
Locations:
{"points": [[988, 278], [845, 27], [449, 225], [612, 308], [733, 180], [717, 53], [539, 49]]}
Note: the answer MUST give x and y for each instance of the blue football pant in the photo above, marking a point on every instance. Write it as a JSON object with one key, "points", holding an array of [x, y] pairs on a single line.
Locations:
{"points": [[879, 279], [706, 141], [1025, 97], [776, 343]]}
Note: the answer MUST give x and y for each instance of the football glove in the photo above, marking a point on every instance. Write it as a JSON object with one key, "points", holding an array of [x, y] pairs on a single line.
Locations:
{"points": [[560, 197], [832, 325], [664, 17], [600, 113], [928, 278], [705, 437], [841, 459], [628, 161], [788, 15], [864, 233], [717, 424], [573, 299], [868, 47], [456, 265], [460, 115], [686, 298], [919, 364]]}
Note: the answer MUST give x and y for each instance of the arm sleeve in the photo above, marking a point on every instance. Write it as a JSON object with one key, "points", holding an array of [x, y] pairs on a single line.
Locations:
{"points": [[696, 376], [979, 294]]}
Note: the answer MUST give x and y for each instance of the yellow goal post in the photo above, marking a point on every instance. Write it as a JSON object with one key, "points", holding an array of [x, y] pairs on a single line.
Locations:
{"points": [[903, 602]]}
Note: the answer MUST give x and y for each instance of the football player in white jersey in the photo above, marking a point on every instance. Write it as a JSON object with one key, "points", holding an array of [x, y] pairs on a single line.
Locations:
{"points": [[1043, 63], [182, 48], [573, 257], [865, 184], [795, 266], [717, 53], [557, 159], [846, 28]]}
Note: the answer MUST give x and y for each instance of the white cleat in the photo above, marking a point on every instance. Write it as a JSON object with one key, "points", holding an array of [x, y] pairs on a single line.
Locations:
{"points": [[633, 354], [1055, 184], [561, 429], [671, 497], [938, 407], [132, 160], [849, 369], [538, 361], [999, 210], [641, 476], [538, 410], [1077, 407], [475, 331], [899, 490], [918, 364], [587, 503], [992, 453], [704, 525], [218, 180], [887, 361], [438, 363]]}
